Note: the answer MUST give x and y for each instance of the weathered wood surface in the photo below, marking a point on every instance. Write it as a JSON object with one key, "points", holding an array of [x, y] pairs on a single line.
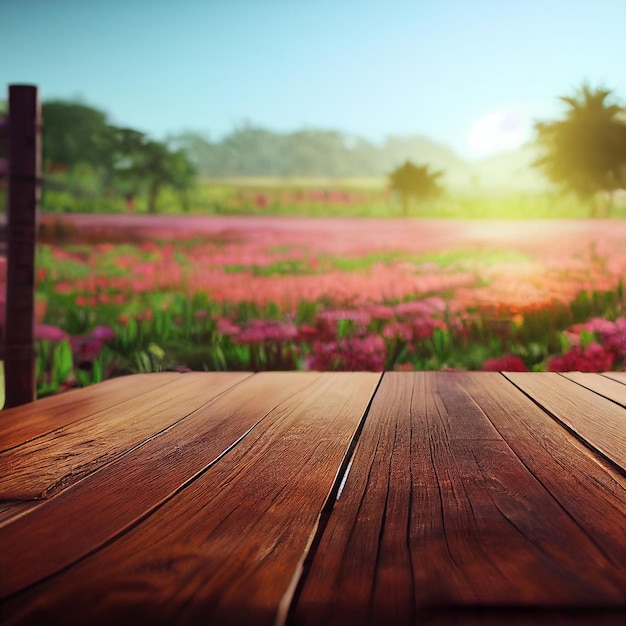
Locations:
{"points": [[21, 424], [439, 510], [619, 376], [607, 387], [41, 467], [230, 541], [307, 498], [597, 420]]}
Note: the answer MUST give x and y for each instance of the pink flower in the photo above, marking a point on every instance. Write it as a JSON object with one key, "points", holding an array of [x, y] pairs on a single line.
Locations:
{"points": [[350, 354], [594, 358], [50, 333], [63, 287], [401, 330], [225, 326], [403, 367], [260, 331], [103, 333], [380, 312], [334, 315], [506, 363]]}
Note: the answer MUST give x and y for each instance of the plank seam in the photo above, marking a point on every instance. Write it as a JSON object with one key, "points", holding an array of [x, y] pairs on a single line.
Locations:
{"points": [[84, 417], [141, 518], [617, 380], [600, 456], [155, 507], [289, 601], [538, 479], [598, 393]]}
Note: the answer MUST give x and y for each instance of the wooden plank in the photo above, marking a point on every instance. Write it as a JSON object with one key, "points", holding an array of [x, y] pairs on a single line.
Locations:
{"points": [[438, 511], [523, 616], [225, 548], [21, 424], [138, 482], [44, 466], [611, 389], [592, 491], [24, 487], [596, 420], [11, 510], [618, 376]]}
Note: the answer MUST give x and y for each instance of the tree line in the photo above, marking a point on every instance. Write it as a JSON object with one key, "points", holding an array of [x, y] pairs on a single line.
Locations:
{"points": [[85, 155], [583, 152], [250, 150]]}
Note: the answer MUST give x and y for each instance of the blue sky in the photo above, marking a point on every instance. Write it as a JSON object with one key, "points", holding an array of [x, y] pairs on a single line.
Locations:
{"points": [[470, 73]]}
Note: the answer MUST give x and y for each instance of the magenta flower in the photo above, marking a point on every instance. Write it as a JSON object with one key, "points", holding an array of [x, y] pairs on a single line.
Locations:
{"points": [[506, 363], [593, 358], [50, 333], [260, 331], [226, 326], [103, 333], [350, 354]]}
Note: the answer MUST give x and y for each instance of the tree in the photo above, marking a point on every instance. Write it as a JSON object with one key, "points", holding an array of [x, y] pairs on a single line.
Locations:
{"points": [[74, 133], [414, 181], [122, 160], [153, 165], [586, 151]]}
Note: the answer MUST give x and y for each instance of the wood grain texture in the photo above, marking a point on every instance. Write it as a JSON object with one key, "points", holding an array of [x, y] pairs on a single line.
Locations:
{"points": [[438, 511], [225, 548], [596, 420], [48, 464], [618, 376], [611, 389], [21, 424], [591, 490], [12, 509], [110, 500]]}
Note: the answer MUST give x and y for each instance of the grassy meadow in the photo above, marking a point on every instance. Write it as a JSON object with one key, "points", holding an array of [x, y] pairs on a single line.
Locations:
{"points": [[80, 192], [265, 276], [323, 274]]}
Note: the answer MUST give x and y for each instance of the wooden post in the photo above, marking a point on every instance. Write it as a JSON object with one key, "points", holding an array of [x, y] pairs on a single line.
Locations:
{"points": [[24, 134]]}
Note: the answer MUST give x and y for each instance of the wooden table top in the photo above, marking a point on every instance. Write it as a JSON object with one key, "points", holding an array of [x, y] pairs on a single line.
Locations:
{"points": [[316, 499]]}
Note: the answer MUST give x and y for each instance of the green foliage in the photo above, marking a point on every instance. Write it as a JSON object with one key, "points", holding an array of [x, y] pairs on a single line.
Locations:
{"points": [[91, 165], [586, 151], [54, 366], [414, 181], [73, 134]]}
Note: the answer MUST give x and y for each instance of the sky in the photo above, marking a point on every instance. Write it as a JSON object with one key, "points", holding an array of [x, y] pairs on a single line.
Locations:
{"points": [[472, 74]]}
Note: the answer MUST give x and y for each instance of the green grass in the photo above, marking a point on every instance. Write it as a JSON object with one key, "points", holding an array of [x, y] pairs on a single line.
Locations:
{"points": [[450, 260], [269, 196]]}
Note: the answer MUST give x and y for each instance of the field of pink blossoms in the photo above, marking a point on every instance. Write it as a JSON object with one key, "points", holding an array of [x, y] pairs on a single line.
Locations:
{"points": [[121, 293]]}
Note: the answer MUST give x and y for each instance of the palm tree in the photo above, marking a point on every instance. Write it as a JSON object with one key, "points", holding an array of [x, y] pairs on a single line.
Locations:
{"points": [[586, 151]]}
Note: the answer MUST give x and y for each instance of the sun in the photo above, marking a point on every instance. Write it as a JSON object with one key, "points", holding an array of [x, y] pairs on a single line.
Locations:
{"points": [[500, 130]]}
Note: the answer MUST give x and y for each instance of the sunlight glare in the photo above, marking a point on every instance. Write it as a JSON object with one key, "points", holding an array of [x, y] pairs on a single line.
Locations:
{"points": [[500, 130]]}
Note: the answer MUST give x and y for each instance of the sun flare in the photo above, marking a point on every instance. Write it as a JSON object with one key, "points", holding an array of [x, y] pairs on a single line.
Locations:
{"points": [[503, 129]]}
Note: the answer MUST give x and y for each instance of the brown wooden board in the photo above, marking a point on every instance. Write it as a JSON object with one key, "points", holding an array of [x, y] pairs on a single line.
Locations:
{"points": [[12, 509], [44, 466], [524, 616], [439, 512], [618, 376], [21, 424], [108, 501], [224, 549], [611, 389], [589, 488], [596, 420]]}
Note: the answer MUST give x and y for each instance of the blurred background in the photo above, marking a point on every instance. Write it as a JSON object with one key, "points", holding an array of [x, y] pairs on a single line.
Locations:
{"points": [[462, 160]]}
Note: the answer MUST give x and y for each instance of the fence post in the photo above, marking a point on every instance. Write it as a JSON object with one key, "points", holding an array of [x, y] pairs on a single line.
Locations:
{"points": [[24, 165]]}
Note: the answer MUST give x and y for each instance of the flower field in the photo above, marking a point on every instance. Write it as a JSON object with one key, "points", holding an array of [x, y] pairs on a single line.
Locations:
{"points": [[126, 293]]}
